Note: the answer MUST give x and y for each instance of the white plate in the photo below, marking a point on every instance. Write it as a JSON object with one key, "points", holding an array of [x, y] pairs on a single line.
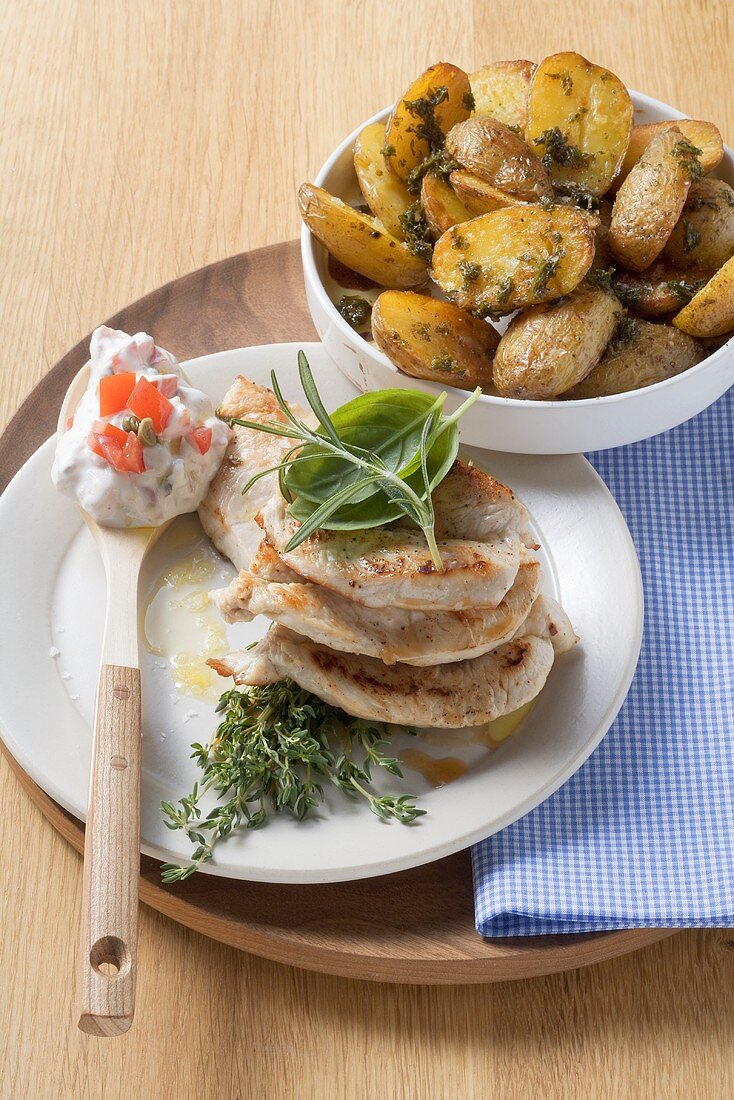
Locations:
{"points": [[524, 427], [52, 597]]}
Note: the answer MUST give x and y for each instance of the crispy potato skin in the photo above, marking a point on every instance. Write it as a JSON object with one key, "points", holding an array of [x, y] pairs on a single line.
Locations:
{"points": [[514, 257], [386, 196], [404, 127], [551, 348], [441, 205], [490, 150], [651, 354], [480, 197], [427, 338], [704, 135], [658, 290], [602, 255], [359, 241], [711, 311], [501, 90], [649, 202], [704, 234], [591, 109]]}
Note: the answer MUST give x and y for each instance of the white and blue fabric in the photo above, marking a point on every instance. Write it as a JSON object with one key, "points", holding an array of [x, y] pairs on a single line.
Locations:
{"points": [[643, 835]]}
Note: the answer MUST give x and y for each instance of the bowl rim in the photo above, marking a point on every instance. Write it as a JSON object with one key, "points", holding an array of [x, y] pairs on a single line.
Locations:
{"points": [[312, 277]]}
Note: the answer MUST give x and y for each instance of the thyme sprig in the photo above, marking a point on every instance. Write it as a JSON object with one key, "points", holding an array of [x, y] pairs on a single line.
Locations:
{"points": [[269, 753]]}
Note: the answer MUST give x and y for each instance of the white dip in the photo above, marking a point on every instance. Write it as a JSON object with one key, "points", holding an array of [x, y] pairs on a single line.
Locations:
{"points": [[138, 480]]}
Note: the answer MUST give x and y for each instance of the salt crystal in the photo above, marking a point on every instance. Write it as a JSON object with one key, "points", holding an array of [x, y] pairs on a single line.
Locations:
{"points": [[65, 675], [53, 651], [190, 714]]}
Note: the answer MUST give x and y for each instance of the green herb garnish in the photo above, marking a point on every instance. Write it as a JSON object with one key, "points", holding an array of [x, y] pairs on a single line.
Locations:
{"points": [[424, 109], [688, 155], [545, 273], [629, 292], [468, 101], [627, 331], [601, 277], [504, 290], [559, 151], [376, 459], [565, 79], [447, 364], [437, 163], [270, 750], [470, 272], [691, 237], [416, 233], [684, 289], [355, 310], [576, 195]]}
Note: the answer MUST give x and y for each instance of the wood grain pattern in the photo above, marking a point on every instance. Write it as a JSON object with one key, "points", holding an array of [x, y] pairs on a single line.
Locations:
{"points": [[146, 139], [109, 927]]}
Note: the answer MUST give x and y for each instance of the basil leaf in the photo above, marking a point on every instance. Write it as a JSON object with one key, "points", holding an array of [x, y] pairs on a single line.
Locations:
{"points": [[387, 424], [376, 509]]}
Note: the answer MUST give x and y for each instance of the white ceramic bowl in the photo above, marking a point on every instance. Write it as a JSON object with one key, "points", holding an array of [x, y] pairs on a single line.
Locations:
{"points": [[503, 423]]}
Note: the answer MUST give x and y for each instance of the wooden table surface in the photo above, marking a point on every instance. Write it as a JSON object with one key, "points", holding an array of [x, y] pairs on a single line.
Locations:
{"points": [[142, 139]]}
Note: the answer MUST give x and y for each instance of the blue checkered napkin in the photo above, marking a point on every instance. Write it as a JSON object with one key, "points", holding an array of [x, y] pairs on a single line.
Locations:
{"points": [[643, 834]]}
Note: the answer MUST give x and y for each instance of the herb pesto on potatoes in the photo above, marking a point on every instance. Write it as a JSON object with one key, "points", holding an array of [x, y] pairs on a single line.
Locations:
{"points": [[521, 186]]}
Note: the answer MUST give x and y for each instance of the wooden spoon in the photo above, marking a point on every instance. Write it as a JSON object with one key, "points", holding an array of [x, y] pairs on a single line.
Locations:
{"points": [[112, 838]]}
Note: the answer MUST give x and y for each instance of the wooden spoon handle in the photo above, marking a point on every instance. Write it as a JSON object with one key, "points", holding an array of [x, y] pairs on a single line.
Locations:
{"points": [[112, 856]]}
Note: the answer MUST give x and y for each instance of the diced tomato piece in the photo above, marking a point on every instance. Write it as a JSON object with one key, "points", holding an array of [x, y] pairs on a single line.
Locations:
{"points": [[101, 427], [202, 437], [93, 444], [115, 438], [132, 454], [147, 401], [167, 384], [69, 422], [114, 392], [112, 451]]}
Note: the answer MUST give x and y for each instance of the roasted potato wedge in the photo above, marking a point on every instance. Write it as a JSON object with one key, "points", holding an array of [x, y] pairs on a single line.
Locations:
{"points": [[480, 197], [704, 135], [420, 120], [550, 348], [711, 311], [427, 338], [659, 290], [650, 201], [579, 119], [386, 195], [441, 205], [501, 89], [514, 257], [493, 152], [640, 354], [704, 234], [359, 241]]}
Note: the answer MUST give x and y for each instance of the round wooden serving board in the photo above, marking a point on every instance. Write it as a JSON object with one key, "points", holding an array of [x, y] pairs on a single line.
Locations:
{"points": [[416, 926]]}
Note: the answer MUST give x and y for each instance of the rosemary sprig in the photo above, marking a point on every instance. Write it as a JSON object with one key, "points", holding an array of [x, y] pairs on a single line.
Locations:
{"points": [[369, 468], [271, 748]]}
